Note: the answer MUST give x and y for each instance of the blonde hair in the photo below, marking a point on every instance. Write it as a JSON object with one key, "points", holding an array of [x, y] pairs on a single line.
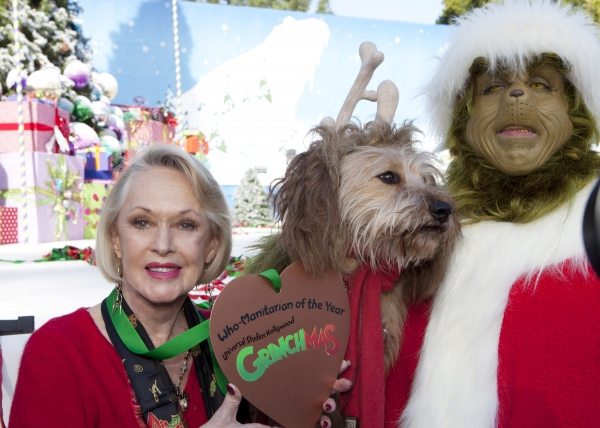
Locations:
{"points": [[205, 187]]}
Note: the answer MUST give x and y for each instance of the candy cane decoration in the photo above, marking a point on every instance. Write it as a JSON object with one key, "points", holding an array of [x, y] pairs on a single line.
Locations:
{"points": [[21, 129], [179, 129]]}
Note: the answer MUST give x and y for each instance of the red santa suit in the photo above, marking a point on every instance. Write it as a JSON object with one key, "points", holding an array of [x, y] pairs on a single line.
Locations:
{"points": [[513, 337]]}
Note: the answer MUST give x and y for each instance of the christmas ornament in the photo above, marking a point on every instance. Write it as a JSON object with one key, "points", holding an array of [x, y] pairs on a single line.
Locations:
{"points": [[117, 111], [95, 92], [78, 72], [101, 112], [83, 108], [66, 105], [113, 147], [13, 76], [116, 124], [110, 85], [45, 84], [85, 136]]}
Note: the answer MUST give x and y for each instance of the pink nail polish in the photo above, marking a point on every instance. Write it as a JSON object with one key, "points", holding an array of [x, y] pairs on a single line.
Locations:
{"points": [[230, 390], [328, 408]]}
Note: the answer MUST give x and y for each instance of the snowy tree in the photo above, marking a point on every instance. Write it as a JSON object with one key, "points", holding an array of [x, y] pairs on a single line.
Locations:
{"points": [[51, 36], [251, 205], [454, 8]]}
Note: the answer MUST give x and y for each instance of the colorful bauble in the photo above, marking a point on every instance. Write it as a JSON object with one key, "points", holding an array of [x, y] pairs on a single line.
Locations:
{"points": [[66, 105], [101, 112], [95, 92], [116, 124], [83, 108], [113, 147], [109, 85], [85, 136], [78, 72], [116, 111], [45, 84], [13, 76]]}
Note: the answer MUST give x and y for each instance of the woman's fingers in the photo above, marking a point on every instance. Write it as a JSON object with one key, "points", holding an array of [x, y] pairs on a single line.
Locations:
{"points": [[345, 365], [329, 405], [341, 385], [225, 415], [325, 422]]}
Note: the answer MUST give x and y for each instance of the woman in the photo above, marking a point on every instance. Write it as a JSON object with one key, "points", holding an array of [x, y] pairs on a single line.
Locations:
{"points": [[164, 229]]}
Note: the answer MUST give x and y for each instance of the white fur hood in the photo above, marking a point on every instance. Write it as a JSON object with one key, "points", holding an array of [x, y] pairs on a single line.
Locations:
{"points": [[456, 379]]}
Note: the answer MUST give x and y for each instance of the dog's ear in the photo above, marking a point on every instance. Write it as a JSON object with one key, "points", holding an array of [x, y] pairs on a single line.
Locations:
{"points": [[305, 200]]}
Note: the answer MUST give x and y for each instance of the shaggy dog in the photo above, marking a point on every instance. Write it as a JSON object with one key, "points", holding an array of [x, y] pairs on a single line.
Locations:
{"points": [[365, 196]]}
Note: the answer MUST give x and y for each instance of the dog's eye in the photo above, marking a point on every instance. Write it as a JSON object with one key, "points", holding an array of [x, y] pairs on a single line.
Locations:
{"points": [[390, 177]]}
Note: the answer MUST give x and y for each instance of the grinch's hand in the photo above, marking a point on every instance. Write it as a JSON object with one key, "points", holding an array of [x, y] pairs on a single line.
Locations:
{"points": [[332, 417], [225, 416]]}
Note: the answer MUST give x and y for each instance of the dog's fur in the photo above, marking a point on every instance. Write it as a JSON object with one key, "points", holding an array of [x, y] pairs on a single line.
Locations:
{"points": [[337, 212]]}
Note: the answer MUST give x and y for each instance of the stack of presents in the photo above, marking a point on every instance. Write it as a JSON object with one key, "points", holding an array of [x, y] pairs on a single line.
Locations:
{"points": [[63, 187]]}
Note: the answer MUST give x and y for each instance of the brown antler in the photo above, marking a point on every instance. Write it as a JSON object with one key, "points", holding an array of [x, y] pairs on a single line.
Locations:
{"points": [[386, 95]]}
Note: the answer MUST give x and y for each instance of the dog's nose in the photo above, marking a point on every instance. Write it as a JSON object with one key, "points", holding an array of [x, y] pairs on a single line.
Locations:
{"points": [[440, 210]]}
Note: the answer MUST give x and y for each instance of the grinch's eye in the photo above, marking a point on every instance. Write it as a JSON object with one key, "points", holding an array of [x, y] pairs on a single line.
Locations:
{"points": [[493, 88], [538, 85]]}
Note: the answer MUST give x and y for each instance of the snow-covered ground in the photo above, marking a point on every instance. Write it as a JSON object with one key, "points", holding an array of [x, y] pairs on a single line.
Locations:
{"points": [[47, 290]]}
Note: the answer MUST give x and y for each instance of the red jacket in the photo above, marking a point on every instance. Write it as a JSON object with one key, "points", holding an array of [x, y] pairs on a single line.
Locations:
{"points": [[71, 376]]}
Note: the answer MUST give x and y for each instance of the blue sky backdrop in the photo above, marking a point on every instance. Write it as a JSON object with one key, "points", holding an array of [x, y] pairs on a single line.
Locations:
{"points": [[255, 80]]}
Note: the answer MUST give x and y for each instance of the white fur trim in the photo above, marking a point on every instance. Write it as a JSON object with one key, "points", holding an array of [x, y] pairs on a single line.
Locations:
{"points": [[456, 379], [511, 33]]}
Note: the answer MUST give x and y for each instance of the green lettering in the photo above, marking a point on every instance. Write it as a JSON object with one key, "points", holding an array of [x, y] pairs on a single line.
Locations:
{"points": [[245, 374], [264, 357]]}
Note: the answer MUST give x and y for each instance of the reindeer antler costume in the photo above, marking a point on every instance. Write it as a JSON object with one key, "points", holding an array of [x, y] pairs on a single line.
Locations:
{"points": [[366, 203]]}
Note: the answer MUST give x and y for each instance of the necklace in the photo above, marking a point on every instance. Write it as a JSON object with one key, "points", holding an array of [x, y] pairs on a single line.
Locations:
{"points": [[184, 399]]}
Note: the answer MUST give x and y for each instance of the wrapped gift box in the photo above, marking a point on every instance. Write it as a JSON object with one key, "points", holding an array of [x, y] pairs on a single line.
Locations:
{"points": [[9, 225], [54, 185], [148, 131], [94, 196], [39, 120], [96, 158]]}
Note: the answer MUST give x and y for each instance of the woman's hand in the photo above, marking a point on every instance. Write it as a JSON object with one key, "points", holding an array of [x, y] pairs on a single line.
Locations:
{"points": [[225, 415], [329, 406]]}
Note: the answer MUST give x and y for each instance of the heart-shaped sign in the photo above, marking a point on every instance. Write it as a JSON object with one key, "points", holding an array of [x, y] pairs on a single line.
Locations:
{"points": [[283, 350]]}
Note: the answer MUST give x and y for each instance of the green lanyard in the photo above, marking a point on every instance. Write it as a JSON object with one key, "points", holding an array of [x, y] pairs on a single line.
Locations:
{"points": [[180, 343], [173, 347]]}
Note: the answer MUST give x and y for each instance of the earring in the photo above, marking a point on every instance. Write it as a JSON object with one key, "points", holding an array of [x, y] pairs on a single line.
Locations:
{"points": [[209, 287], [117, 303]]}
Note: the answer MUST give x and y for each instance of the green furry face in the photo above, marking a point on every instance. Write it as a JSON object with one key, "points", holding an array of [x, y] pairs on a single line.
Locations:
{"points": [[484, 192], [519, 120]]}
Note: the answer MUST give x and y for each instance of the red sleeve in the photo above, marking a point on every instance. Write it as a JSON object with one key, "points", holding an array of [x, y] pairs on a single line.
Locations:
{"points": [[48, 392]]}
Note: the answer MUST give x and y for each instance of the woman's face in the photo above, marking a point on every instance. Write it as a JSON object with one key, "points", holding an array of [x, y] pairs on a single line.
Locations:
{"points": [[163, 238]]}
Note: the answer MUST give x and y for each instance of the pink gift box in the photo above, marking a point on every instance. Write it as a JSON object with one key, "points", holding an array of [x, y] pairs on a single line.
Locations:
{"points": [[148, 131], [53, 192], [9, 225], [39, 120]]}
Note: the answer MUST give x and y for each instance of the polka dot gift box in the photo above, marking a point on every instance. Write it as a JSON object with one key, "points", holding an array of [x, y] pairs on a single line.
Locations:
{"points": [[94, 195], [9, 225]]}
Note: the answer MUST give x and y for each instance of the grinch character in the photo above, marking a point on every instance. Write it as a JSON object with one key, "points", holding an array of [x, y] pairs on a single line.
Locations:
{"points": [[512, 336]]}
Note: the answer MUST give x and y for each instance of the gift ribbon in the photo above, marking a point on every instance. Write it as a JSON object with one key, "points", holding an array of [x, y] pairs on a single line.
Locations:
{"points": [[61, 189], [97, 158], [31, 126]]}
